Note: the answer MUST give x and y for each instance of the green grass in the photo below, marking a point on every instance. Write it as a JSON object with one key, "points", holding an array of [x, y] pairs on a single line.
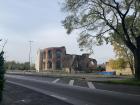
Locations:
{"points": [[124, 82]]}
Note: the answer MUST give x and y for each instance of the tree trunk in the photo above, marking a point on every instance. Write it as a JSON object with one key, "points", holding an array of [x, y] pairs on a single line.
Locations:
{"points": [[137, 65], [132, 68], [137, 59]]}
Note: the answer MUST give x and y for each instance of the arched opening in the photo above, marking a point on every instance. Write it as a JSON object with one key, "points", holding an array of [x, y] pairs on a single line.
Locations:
{"points": [[91, 64], [49, 65], [58, 64], [44, 54]]}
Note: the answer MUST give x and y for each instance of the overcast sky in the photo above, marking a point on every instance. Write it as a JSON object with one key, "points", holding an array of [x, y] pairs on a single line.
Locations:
{"points": [[39, 21]]}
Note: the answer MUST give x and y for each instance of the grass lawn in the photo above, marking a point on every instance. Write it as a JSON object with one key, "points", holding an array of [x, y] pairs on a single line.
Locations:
{"points": [[125, 82]]}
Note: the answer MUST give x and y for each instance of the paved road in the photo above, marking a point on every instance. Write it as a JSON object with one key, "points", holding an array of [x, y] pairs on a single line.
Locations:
{"points": [[85, 83], [75, 94], [18, 95]]}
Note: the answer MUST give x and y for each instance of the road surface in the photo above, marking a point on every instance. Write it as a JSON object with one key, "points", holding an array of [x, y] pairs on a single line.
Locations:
{"points": [[75, 94]]}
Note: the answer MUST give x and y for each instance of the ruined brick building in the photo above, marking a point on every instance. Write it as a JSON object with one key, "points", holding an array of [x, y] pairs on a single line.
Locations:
{"points": [[55, 58]]}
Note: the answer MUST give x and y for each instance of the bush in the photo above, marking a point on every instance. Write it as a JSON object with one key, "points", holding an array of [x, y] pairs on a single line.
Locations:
{"points": [[100, 68], [2, 71]]}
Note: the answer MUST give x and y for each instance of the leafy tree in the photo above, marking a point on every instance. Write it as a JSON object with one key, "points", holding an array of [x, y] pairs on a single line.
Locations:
{"points": [[117, 64], [123, 52], [112, 64], [96, 18], [12, 65]]}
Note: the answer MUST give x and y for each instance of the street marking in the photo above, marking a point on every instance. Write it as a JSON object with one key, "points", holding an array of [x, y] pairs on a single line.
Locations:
{"points": [[59, 97], [90, 85], [56, 80], [71, 82]]}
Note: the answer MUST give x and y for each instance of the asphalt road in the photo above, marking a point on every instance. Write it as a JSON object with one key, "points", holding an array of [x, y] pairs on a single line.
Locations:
{"points": [[84, 83], [75, 94], [18, 95]]}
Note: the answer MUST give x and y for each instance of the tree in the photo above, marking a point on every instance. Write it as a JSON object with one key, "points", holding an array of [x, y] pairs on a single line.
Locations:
{"points": [[112, 64], [96, 18], [2, 71], [100, 68], [123, 52], [12, 65], [117, 64]]}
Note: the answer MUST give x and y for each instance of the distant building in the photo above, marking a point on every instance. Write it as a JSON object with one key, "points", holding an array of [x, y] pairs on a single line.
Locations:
{"points": [[55, 58]]}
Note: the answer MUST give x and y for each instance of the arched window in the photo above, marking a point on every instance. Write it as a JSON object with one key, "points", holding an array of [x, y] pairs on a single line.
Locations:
{"points": [[49, 54], [58, 53]]}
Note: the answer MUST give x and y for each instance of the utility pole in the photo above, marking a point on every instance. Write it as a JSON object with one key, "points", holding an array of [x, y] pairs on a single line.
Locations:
{"points": [[30, 45]]}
